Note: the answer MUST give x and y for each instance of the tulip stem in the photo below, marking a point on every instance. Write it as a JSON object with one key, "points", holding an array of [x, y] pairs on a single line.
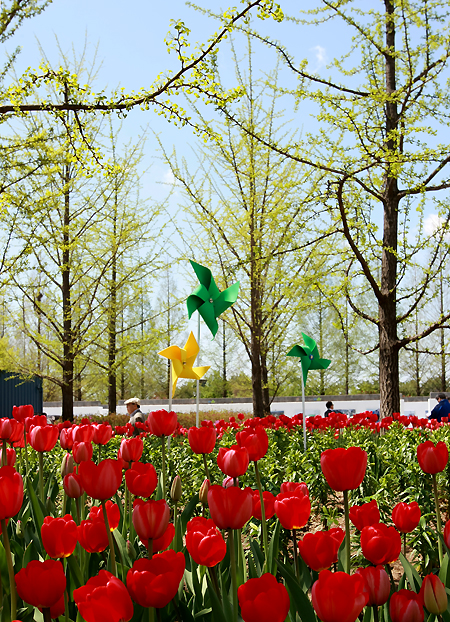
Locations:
{"points": [[126, 516], [233, 574], [46, 614], [163, 447], [41, 476], [375, 613], [151, 614], [4, 456], [347, 532], [213, 575], [26, 447], [150, 548], [294, 539], [263, 517], [205, 464], [77, 504], [404, 545], [66, 606], [438, 517], [110, 540], [12, 582]]}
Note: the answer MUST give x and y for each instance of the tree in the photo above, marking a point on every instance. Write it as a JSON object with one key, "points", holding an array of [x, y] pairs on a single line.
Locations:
{"points": [[382, 114], [249, 211]]}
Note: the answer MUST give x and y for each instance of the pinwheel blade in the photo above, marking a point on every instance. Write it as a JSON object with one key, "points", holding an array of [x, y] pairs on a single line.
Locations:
{"points": [[226, 298], [182, 361]]}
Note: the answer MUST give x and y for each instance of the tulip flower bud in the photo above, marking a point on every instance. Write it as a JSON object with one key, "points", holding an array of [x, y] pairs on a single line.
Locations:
{"points": [[175, 491], [20, 531], [67, 465], [131, 551], [203, 494], [434, 594]]}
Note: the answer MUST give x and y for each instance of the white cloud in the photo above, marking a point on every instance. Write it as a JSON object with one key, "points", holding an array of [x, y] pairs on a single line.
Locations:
{"points": [[321, 55], [168, 178], [432, 223]]}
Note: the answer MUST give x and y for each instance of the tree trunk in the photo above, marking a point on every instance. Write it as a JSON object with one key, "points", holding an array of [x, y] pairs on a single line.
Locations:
{"points": [[265, 385], [387, 329], [224, 362], [68, 355], [258, 406], [112, 320]]}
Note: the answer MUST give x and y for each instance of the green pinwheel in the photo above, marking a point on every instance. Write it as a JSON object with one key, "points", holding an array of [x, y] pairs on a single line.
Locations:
{"points": [[208, 300], [309, 356]]}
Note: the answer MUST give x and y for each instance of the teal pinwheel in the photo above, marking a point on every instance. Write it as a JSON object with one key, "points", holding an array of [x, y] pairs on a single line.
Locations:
{"points": [[309, 356], [208, 300]]}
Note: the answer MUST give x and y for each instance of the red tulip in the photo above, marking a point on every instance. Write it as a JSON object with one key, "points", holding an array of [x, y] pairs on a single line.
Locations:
{"points": [[150, 518], [102, 433], [231, 507], [100, 481], [364, 515], [131, 449], [154, 582], [141, 479], [378, 584], [41, 584], [112, 511], [162, 423], [11, 492], [43, 437], [92, 535], [406, 516], [293, 511], [269, 504], [66, 439], [20, 413], [82, 451], [433, 594], [67, 465], [320, 550], [104, 597], [406, 606], [263, 600], [10, 430], [344, 469], [255, 441], [10, 456], [432, 458], [339, 597], [202, 440], [204, 542], [299, 488], [447, 534], [233, 461], [72, 485], [380, 544], [40, 420], [59, 536], [162, 543], [83, 433]]}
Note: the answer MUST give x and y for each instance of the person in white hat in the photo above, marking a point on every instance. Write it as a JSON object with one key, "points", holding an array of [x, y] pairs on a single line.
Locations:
{"points": [[133, 409]]}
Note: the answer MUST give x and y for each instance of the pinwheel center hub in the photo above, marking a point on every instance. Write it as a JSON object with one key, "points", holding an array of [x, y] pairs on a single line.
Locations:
{"points": [[211, 300], [311, 356]]}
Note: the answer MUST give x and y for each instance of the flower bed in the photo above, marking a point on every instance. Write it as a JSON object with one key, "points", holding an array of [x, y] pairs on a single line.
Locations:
{"points": [[215, 523]]}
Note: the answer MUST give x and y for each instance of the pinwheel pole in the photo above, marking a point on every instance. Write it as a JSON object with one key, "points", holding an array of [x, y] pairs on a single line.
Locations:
{"points": [[304, 413], [309, 359], [210, 303], [197, 415]]}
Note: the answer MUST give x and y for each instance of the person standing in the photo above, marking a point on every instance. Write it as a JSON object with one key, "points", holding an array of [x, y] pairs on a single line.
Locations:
{"points": [[134, 410], [442, 409]]}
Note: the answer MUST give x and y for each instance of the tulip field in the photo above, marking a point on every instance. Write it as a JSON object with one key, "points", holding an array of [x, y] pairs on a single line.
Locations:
{"points": [[230, 521]]}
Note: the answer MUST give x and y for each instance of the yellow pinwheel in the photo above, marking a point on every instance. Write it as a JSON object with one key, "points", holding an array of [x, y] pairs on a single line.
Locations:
{"points": [[182, 361]]}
